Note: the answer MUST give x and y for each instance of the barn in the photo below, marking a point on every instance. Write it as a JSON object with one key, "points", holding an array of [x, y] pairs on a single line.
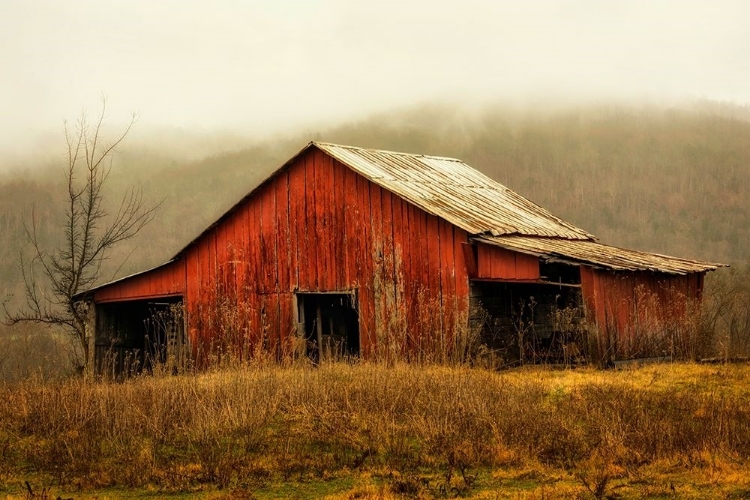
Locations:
{"points": [[345, 251]]}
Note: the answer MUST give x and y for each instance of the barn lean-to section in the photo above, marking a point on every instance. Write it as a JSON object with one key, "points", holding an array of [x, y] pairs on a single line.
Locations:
{"points": [[635, 304], [350, 251]]}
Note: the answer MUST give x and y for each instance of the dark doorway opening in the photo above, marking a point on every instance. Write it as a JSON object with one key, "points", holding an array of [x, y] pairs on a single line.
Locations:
{"points": [[138, 335], [330, 325], [530, 322]]}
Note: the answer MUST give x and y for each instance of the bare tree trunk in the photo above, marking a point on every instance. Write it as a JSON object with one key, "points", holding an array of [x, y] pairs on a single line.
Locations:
{"points": [[55, 280]]}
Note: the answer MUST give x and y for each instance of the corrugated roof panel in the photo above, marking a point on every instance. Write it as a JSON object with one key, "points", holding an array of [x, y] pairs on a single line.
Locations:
{"points": [[598, 255], [452, 190]]}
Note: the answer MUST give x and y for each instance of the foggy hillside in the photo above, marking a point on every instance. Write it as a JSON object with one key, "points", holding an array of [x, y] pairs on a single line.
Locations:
{"points": [[668, 180]]}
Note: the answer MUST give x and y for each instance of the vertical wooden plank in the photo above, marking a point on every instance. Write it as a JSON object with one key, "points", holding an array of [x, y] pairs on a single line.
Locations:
{"points": [[163, 281], [235, 249], [324, 211], [399, 285], [294, 200], [287, 325], [282, 231], [409, 278], [269, 262], [213, 282], [161, 286], [149, 284], [166, 278], [205, 265], [483, 261], [377, 257], [298, 251], [181, 276], [389, 268], [220, 237], [520, 268], [535, 265], [244, 281], [321, 245], [269, 304], [496, 265], [145, 287], [311, 247], [212, 267], [447, 280], [261, 247], [529, 266], [338, 227], [420, 269], [328, 281], [426, 252], [624, 295], [507, 260], [203, 295], [200, 269], [223, 267], [435, 272], [181, 268], [253, 273], [496, 262], [460, 238], [351, 232], [514, 267], [365, 263], [321, 222]]}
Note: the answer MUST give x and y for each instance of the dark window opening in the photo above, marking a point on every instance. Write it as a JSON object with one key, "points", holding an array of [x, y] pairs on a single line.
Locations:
{"points": [[556, 272], [330, 325], [134, 336]]}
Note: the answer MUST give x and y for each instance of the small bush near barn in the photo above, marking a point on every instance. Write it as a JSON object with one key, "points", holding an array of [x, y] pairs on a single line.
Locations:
{"points": [[370, 431]]}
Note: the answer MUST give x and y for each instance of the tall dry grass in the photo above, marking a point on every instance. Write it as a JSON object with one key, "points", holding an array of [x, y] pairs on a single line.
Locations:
{"points": [[252, 426]]}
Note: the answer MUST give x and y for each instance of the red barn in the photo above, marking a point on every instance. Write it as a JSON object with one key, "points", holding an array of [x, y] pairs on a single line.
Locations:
{"points": [[384, 255]]}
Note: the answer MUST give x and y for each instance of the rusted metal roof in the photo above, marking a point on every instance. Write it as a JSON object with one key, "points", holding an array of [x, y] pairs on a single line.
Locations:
{"points": [[598, 255], [445, 187], [452, 190]]}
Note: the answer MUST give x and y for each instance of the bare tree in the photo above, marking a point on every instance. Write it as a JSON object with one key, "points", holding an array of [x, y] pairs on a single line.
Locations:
{"points": [[52, 279]]}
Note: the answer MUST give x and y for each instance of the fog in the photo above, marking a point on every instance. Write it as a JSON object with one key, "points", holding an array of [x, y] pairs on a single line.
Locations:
{"points": [[270, 66]]}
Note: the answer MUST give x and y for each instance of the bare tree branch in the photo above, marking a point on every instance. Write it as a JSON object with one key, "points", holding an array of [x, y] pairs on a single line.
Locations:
{"points": [[89, 233]]}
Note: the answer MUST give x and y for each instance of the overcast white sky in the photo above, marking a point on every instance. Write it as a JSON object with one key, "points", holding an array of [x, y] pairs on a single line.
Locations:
{"points": [[271, 65]]}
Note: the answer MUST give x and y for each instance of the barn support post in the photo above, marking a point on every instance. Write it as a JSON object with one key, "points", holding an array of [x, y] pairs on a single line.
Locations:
{"points": [[90, 332]]}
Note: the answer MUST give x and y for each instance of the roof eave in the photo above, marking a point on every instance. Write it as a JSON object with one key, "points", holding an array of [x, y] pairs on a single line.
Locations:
{"points": [[689, 266]]}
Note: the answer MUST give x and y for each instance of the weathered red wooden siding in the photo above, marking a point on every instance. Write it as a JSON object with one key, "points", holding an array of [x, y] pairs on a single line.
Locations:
{"points": [[317, 226], [498, 263], [163, 281], [625, 304]]}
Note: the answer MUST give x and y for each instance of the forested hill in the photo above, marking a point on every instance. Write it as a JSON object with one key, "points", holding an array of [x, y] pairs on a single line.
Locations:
{"points": [[674, 181]]}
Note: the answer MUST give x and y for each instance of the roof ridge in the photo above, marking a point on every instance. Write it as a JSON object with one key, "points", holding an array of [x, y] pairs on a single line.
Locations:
{"points": [[399, 153]]}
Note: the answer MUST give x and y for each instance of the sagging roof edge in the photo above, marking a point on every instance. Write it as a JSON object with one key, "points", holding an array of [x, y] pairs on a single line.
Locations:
{"points": [[690, 266]]}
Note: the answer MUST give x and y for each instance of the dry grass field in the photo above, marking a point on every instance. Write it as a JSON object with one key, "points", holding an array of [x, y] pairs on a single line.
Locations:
{"points": [[346, 431]]}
